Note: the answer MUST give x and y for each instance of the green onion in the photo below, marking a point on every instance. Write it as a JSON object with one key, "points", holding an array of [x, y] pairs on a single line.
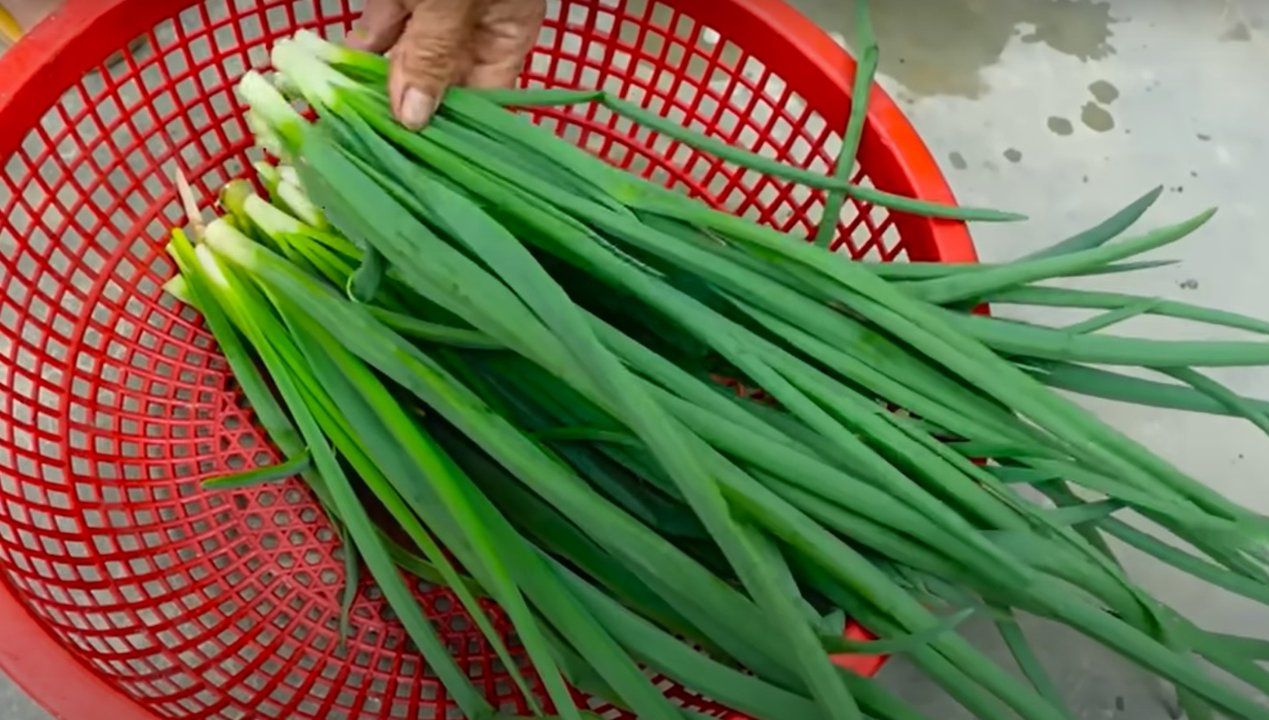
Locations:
{"points": [[1067, 297], [261, 476], [970, 287], [1112, 227], [1114, 317], [511, 350], [343, 499], [865, 72], [1017, 338], [1011, 632]]}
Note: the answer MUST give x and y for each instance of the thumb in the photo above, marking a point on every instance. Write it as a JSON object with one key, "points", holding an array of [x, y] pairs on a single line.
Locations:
{"points": [[432, 53]]}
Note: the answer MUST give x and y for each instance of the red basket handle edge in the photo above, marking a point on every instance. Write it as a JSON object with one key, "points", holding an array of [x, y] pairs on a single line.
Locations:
{"points": [[55, 54]]}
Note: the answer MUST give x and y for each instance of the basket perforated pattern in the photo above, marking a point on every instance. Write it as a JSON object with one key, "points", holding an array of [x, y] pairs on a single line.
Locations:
{"points": [[114, 401]]}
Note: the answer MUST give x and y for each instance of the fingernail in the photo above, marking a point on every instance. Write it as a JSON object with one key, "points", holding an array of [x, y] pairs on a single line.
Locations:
{"points": [[416, 108], [357, 38]]}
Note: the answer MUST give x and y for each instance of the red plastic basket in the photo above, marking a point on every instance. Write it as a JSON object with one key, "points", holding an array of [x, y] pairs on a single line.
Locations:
{"points": [[128, 592]]}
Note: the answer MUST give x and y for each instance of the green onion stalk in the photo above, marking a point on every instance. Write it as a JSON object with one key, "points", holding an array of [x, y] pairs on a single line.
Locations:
{"points": [[511, 347]]}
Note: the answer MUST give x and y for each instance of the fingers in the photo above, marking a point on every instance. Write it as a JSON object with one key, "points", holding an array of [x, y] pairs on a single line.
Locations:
{"points": [[504, 34], [433, 52], [379, 27], [435, 43]]}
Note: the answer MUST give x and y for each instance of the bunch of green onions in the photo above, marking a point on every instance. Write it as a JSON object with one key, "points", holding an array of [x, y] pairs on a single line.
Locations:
{"points": [[507, 347]]}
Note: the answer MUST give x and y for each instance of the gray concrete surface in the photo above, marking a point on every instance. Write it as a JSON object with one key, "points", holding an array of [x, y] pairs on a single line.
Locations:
{"points": [[1067, 109]]}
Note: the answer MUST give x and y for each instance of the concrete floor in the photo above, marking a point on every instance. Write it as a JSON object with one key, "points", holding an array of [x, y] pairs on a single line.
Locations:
{"points": [[1066, 110]]}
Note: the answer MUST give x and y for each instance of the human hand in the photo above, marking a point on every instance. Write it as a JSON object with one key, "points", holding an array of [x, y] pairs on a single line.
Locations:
{"points": [[433, 44]]}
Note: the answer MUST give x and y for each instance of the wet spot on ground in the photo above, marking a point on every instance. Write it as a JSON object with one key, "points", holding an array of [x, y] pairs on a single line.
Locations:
{"points": [[1104, 92], [1097, 118]]}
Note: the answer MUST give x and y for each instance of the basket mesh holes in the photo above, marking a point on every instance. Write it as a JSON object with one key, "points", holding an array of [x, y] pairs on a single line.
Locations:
{"points": [[149, 410]]}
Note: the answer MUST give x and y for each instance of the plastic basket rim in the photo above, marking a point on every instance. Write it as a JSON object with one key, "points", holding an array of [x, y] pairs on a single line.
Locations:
{"points": [[70, 41]]}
